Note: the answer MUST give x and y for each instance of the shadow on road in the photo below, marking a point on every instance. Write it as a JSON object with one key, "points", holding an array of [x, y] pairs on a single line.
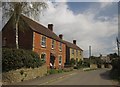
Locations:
{"points": [[105, 75]]}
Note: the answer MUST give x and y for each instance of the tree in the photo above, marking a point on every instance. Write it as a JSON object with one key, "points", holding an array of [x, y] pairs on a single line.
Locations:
{"points": [[118, 46], [17, 8]]}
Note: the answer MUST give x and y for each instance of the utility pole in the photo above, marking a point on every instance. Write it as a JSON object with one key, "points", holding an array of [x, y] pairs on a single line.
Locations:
{"points": [[89, 51], [90, 55]]}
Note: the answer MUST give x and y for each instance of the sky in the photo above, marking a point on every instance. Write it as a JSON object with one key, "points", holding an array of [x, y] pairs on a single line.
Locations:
{"points": [[92, 24]]}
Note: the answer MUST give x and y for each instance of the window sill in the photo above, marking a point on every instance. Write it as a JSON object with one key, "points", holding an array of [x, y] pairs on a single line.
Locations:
{"points": [[52, 48], [60, 50], [43, 46]]}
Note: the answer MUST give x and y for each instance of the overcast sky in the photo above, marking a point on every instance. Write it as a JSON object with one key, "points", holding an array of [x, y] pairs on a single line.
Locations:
{"points": [[90, 23]]}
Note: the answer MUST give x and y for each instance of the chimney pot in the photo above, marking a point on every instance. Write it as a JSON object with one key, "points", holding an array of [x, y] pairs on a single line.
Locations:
{"points": [[74, 42], [61, 36], [50, 26]]}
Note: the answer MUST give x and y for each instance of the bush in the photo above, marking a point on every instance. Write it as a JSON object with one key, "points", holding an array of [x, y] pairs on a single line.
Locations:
{"points": [[72, 62], [13, 59], [54, 71], [115, 72]]}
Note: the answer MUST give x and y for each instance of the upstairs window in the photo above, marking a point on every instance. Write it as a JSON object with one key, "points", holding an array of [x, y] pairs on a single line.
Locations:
{"points": [[80, 53], [76, 52], [72, 51], [60, 46], [43, 41], [53, 44]]}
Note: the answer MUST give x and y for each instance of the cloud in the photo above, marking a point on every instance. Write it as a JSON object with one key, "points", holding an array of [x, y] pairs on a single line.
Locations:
{"points": [[83, 27]]}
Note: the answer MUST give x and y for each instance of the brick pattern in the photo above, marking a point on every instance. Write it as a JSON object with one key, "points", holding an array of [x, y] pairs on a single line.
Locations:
{"points": [[48, 49]]}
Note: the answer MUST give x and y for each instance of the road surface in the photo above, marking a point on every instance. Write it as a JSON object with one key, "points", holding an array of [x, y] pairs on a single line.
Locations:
{"points": [[94, 77]]}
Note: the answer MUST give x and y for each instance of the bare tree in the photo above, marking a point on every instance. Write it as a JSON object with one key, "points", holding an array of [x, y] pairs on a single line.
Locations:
{"points": [[17, 8]]}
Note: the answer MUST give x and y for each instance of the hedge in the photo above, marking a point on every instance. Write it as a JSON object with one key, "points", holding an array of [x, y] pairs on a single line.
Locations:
{"points": [[115, 72], [13, 59]]}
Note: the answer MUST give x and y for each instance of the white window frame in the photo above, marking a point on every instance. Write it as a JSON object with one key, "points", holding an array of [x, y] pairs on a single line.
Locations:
{"points": [[60, 46], [73, 51], [60, 59], [52, 43], [45, 56], [43, 42]]}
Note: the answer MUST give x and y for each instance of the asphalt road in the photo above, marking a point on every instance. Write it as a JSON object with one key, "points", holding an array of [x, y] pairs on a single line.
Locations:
{"points": [[94, 77]]}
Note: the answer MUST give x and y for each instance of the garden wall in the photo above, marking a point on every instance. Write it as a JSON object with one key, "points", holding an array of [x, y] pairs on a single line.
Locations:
{"points": [[23, 74]]}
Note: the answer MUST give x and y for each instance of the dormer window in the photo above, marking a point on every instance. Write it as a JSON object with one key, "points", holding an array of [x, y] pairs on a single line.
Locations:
{"points": [[43, 41]]}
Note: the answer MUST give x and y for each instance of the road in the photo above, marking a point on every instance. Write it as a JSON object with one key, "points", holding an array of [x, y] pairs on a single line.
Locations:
{"points": [[95, 77]]}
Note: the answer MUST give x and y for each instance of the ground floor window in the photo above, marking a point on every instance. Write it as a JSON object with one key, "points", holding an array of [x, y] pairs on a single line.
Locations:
{"points": [[60, 60], [43, 57]]}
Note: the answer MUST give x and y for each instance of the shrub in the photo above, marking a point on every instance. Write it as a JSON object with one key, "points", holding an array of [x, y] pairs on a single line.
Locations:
{"points": [[72, 62], [13, 59], [115, 72], [52, 71]]}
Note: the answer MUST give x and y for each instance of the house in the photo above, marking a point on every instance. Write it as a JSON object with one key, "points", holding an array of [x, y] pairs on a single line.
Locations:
{"points": [[36, 37], [105, 59], [72, 51]]}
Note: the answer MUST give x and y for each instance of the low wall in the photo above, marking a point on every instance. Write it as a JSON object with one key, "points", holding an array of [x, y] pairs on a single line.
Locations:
{"points": [[23, 74]]}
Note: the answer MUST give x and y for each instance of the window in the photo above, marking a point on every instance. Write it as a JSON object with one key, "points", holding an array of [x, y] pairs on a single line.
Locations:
{"points": [[43, 41], [43, 56], [4, 41], [72, 51], [60, 60], [76, 52], [80, 52], [60, 46], [53, 44]]}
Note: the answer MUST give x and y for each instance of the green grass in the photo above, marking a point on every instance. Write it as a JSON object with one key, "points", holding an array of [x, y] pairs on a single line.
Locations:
{"points": [[90, 69]]}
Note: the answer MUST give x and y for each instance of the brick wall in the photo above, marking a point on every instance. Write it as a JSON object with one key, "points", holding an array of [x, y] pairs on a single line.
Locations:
{"points": [[37, 48]]}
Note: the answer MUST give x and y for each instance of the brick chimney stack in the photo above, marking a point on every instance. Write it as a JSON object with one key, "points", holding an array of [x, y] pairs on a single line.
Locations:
{"points": [[50, 26], [74, 42], [61, 36]]}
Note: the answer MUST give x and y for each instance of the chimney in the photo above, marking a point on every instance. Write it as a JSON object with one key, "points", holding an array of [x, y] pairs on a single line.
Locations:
{"points": [[50, 26], [61, 36], [74, 42]]}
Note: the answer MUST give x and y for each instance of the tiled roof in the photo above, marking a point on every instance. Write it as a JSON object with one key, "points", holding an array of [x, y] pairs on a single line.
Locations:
{"points": [[71, 45], [40, 28]]}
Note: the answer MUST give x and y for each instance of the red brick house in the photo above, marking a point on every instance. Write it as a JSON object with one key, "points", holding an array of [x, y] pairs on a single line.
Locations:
{"points": [[36, 37]]}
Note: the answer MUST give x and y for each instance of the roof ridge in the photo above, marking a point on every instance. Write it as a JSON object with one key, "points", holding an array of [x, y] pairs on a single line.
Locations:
{"points": [[37, 27], [72, 44], [34, 20]]}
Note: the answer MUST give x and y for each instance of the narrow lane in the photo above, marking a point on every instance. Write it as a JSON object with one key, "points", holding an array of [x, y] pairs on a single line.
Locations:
{"points": [[95, 77]]}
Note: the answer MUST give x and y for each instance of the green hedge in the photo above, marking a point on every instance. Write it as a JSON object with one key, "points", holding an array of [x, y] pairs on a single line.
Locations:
{"points": [[115, 72], [13, 59]]}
